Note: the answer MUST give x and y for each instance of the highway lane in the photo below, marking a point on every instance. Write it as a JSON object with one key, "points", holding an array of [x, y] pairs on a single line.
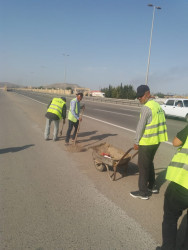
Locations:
{"points": [[46, 202], [125, 117], [93, 132]]}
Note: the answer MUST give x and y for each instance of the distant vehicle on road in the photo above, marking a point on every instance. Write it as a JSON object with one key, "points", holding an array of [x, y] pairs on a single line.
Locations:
{"points": [[176, 107], [97, 93]]}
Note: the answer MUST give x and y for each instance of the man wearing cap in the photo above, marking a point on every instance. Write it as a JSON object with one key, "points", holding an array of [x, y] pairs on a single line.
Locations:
{"points": [[55, 112], [73, 117], [151, 131]]}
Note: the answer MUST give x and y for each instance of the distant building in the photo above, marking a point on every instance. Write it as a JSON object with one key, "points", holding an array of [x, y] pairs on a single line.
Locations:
{"points": [[97, 93], [85, 91]]}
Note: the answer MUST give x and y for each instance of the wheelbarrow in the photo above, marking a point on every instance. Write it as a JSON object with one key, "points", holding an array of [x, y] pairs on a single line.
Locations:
{"points": [[105, 156]]}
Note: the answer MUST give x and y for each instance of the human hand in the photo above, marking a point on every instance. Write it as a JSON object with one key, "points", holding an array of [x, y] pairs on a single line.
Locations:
{"points": [[136, 147]]}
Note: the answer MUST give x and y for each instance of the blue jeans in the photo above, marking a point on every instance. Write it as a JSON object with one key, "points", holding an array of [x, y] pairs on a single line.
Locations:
{"points": [[71, 125], [47, 129]]}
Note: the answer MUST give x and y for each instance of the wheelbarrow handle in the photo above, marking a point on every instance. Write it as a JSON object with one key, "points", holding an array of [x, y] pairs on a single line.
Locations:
{"points": [[126, 153], [134, 155]]}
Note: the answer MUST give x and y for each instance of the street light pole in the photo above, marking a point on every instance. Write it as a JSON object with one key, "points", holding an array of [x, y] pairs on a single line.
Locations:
{"points": [[65, 55], [159, 8]]}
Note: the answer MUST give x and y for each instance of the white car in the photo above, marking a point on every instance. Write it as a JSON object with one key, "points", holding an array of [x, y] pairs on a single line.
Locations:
{"points": [[176, 107]]}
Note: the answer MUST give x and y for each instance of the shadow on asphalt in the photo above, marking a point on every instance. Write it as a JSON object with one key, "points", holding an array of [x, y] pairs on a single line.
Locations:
{"points": [[15, 149], [160, 179], [125, 170], [83, 134], [96, 139], [132, 169]]}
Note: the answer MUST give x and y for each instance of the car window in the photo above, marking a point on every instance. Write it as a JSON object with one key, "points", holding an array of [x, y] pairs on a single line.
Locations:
{"points": [[185, 103], [179, 103], [170, 102]]}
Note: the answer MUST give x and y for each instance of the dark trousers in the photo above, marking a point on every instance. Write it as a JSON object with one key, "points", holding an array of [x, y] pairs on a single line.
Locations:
{"points": [[176, 200], [71, 125], [146, 167]]}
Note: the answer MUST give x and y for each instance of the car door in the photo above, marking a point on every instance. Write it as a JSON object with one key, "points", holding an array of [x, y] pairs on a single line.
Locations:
{"points": [[168, 107], [185, 109], [179, 108]]}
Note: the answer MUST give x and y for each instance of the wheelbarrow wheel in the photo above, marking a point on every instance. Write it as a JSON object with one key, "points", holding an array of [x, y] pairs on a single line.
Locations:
{"points": [[100, 166]]}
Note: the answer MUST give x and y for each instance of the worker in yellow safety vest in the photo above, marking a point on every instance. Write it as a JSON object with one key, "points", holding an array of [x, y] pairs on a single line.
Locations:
{"points": [[73, 117], [176, 195], [151, 131], [55, 112]]}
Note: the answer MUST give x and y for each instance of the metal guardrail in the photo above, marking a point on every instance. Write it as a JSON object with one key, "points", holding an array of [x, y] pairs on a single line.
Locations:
{"points": [[91, 98], [52, 93], [66, 93], [114, 101]]}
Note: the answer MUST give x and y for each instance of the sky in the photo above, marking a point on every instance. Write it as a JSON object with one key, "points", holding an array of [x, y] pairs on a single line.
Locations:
{"points": [[95, 43]]}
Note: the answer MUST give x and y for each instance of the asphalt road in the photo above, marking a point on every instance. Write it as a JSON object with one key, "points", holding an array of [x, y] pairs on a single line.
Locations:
{"points": [[54, 198], [123, 116]]}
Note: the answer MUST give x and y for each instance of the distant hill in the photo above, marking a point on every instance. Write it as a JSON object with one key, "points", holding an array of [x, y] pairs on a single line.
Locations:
{"points": [[62, 85], [54, 85], [9, 85]]}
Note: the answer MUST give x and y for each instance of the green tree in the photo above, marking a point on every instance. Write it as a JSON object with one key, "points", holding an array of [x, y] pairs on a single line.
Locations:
{"points": [[160, 95], [120, 92], [68, 88]]}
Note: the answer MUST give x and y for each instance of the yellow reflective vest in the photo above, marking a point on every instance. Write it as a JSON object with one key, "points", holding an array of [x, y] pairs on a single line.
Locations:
{"points": [[71, 117], [178, 168], [156, 131], [56, 107]]}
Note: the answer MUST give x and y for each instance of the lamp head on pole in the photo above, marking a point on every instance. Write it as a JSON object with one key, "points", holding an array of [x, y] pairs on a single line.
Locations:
{"points": [[64, 54], [156, 7]]}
